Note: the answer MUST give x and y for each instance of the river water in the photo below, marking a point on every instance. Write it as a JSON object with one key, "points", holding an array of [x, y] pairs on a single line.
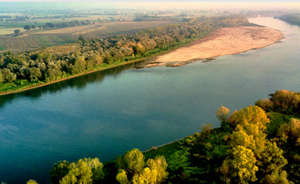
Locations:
{"points": [[107, 113]]}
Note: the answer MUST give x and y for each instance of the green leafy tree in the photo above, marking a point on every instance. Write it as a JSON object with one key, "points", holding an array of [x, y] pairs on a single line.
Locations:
{"points": [[59, 170], [272, 165], [17, 32], [133, 162], [8, 75], [27, 27], [79, 65], [35, 74], [2, 79]]}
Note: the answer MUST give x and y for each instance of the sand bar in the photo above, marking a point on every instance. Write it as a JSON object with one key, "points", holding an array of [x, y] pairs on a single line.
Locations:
{"points": [[224, 41]]}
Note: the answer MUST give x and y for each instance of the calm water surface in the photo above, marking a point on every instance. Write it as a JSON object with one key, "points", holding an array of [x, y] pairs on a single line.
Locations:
{"points": [[107, 113]]}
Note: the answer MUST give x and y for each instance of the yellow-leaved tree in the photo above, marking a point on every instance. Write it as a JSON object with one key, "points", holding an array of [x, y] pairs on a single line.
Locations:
{"points": [[251, 156], [132, 169]]}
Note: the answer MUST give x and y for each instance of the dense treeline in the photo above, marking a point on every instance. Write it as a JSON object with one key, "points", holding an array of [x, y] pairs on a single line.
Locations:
{"points": [[283, 101], [44, 65], [251, 146], [67, 24], [154, 18], [290, 18], [50, 25]]}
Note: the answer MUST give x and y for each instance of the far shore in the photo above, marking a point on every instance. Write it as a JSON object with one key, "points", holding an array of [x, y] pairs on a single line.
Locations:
{"points": [[224, 41]]}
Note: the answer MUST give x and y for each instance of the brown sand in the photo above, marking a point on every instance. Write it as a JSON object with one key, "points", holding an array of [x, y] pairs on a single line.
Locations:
{"points": [[223, 41]]}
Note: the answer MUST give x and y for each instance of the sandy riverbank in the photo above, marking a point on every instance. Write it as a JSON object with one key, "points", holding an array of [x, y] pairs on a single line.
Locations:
{"points": [[224, 41]]}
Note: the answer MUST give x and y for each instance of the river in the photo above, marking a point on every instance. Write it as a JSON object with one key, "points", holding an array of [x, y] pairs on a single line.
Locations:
{"points": [[107, 113]]}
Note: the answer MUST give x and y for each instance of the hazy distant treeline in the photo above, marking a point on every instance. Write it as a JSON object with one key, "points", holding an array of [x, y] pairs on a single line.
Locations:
{"points": [[290, 18]]}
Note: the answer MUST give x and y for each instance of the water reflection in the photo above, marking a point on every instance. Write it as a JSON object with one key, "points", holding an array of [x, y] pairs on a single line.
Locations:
{"points": [[77, 83]]}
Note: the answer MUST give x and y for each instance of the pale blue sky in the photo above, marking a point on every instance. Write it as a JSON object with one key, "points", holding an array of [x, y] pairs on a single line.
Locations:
{"points": [[156, 5]]}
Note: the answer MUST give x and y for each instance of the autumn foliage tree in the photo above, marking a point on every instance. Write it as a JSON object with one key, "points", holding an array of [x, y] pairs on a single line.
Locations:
{"points": [[251, 155], [86, 170], [133, 169]]}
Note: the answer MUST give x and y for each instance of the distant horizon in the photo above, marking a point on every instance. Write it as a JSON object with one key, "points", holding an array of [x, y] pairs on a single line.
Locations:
{"points": [[155, 5]]}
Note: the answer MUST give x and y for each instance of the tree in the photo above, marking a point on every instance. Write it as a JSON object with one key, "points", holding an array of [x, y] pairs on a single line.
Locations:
{"points": [[2, 79], [241, 168], [27, 27], [79, 65], [59, 170], [223, 114], [35, 74], [133, 162], [252, 156], [132, 169], [31, 182], [265, 104], [17, 32], [84, 171], [159, 164], [272, 165], [8, 75], [122, 177], [252, 119]]}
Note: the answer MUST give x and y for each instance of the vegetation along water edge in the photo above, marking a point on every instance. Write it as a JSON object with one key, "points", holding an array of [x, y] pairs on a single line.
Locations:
{"points": [[256, 144]]}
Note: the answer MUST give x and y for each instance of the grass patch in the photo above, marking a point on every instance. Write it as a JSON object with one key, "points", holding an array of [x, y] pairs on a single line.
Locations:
{"points": [[277, 119], [165, 150], [18, 85]]}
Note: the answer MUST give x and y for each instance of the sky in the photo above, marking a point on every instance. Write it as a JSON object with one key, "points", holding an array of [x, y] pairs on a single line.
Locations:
{"points": [[155, 5]]}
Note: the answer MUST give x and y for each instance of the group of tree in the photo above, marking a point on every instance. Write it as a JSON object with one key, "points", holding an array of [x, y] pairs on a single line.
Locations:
{"points": [[130, 168], [290, 18], [66, 24], [29, 27], [85, 171], [17, 18], [154, 18], [42, 65], [17, 32], [283, 101]]}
